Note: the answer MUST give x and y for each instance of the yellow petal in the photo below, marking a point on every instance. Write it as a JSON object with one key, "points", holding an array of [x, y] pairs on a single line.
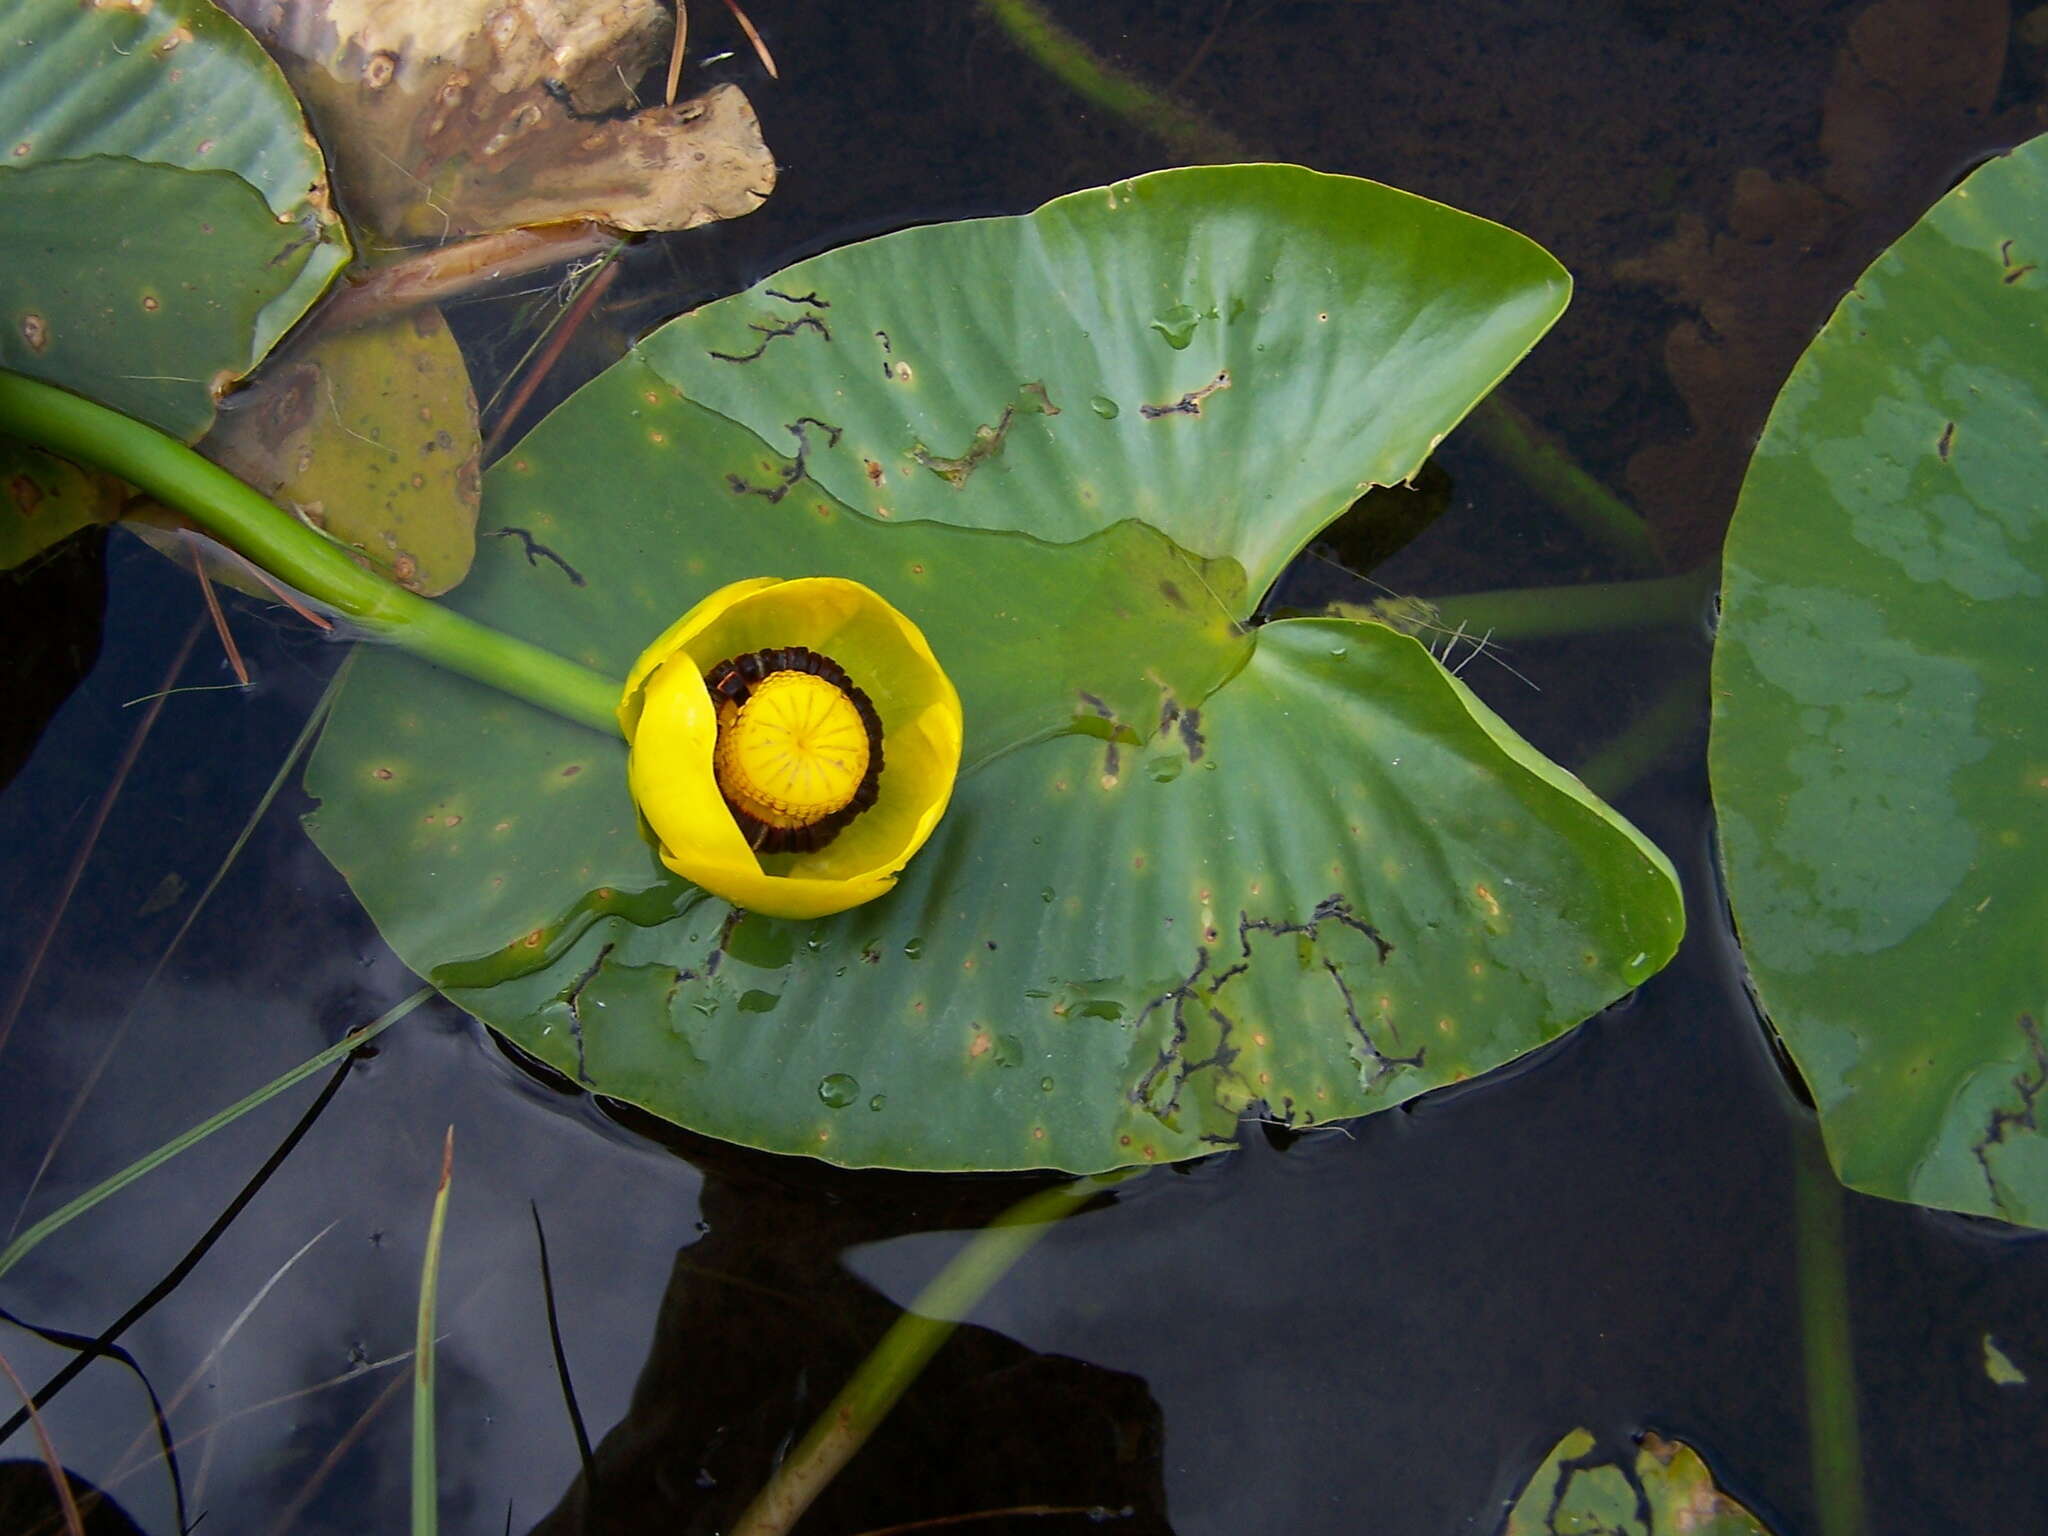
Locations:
{"points": [[671, 720]]}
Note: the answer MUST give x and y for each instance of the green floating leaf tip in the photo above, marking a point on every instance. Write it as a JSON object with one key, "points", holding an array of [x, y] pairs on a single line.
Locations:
{"points": [[1880, 739], [1193, 868]]}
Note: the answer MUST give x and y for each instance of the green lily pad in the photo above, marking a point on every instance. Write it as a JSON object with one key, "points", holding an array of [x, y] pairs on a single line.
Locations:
{"points": [[1880, 736], [163, 209], [1191, 870], [1666, 1491]]}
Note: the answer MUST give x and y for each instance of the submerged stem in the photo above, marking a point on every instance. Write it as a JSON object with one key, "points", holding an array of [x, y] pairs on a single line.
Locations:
{"points": [[1551, 472], [904, 1351], [1545, 613], [77, 429], [1833, 1444]]}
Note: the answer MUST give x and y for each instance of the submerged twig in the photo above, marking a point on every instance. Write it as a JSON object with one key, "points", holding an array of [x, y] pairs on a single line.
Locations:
{"points": [[120, 1030], [288, 1522], [159, 1415], [555, 341], [220, 620], [760, 48], [178, 1271], [58, 1475], [675, 52], [69, 1212], [431, 276], [122, 769], [206, 1362]]}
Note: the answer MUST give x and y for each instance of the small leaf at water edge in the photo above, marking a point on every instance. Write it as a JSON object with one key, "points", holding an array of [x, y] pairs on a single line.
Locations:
{"points": [[163, 210], [1998, 1365], [1880, 739], [1577, 1492], [1191, 870]]}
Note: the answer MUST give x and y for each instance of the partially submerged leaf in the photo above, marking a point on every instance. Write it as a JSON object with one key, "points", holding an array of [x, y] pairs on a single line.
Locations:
{"points": [[370, 435], [1880, 735], [1295, 870], [458, 117], [1665, 1491], [44, 499], [163, 210]]}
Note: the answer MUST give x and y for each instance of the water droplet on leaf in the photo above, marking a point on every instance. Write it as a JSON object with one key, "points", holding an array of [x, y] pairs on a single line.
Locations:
{"points": [[838, 1090], [1104, 407], [1177, 325]]}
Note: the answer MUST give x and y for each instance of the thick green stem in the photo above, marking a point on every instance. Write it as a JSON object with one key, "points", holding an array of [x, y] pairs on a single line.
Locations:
{"points": [[77, 429], [1547, 613], [905, 1349]]}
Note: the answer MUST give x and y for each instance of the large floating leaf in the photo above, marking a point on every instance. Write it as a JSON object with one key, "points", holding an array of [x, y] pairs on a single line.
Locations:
{"points": [[1233, 370], [1882, 724], [1298, 867], [163, 210], [1880, 743]]}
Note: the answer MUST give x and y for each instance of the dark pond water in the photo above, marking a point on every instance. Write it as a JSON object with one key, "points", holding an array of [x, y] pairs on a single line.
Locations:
{"points": [[1376, 1328]]}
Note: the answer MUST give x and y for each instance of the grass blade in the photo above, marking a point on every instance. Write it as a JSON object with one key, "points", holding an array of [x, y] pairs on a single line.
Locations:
{"points": [[17, 1250], [425, 1515], [547, 1286], [87, 843], [120, 1030]]}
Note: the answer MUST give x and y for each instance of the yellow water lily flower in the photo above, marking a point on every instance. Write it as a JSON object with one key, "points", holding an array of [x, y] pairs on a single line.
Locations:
{"points": [[793, 744]]}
